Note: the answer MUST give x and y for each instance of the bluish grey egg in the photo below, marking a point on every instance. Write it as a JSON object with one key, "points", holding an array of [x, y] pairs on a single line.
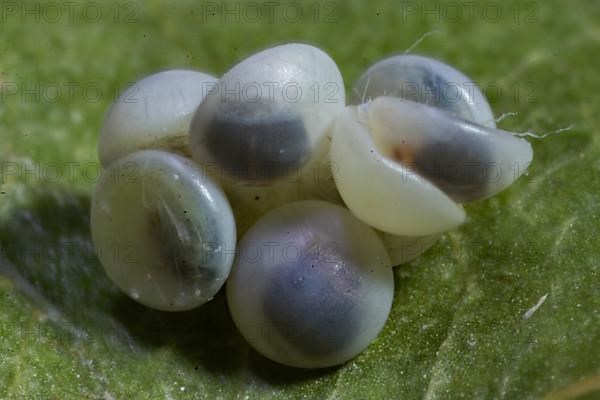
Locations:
{"points": [[268, 114], [253, 149], [455, 163], [317, 306], [420, 140], [393, 156], [428, 81], [311, 286]]}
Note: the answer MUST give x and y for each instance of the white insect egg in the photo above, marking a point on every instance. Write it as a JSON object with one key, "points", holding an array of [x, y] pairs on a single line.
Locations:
{"points": [[267, 116], [165, 233], [155, 112], [404, 167], [312, 286]]}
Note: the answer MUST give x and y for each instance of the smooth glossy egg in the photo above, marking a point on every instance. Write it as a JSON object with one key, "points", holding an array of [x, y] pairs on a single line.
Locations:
{"points": [[153, 113], [165, 234], [403, 167], [311, 286], [420, 141], [467, 161], [267, 116], [427, 81]]}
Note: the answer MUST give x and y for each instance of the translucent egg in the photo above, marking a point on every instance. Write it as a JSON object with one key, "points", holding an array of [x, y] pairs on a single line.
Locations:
{"points": [[421, 141], [403, 167], [165, 234], [427, 81], [267, 116], [153, 113], [311, 286]]}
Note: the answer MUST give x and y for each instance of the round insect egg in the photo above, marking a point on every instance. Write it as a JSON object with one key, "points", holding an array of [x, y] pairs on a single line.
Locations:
{"points": [[428, 154], [154, 112], [467, 161], [267, 116], [428, 81], [164, 232], [311, 286]]}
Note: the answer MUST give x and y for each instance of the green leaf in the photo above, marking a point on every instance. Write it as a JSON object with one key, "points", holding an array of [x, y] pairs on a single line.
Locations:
{"points": [[507, 306]]}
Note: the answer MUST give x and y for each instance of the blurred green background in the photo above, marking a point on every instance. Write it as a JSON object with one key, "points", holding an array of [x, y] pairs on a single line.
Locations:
{"points": [[457, 327]]}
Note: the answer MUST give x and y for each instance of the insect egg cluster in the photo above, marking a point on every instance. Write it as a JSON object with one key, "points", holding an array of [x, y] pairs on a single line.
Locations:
{"points": [[267, 180]]}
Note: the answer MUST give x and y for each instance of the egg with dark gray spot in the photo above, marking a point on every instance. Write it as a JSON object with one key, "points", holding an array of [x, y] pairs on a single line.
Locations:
{"points": [[311, 286], [458, 167], [268, 115], [317, 307], [428, 81], [256, 149]]}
